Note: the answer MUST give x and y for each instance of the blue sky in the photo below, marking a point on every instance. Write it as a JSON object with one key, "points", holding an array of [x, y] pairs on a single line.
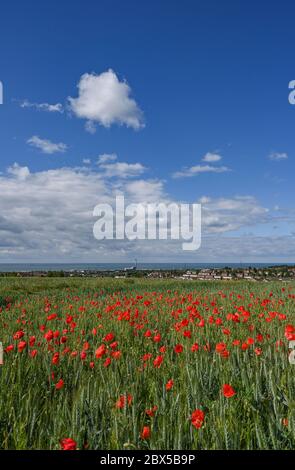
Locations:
{"points": [[203, 78]]}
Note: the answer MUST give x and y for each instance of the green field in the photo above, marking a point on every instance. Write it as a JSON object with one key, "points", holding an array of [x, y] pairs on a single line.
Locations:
{"points": [[89, 360]]}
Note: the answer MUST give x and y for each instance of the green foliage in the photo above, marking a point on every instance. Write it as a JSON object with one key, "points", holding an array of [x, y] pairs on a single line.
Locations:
{"points": [[34, 415]]}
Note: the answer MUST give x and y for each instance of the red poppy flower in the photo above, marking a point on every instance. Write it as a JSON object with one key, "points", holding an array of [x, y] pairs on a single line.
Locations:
{"points": [[169, 384], [157, 338], [32, 341], [129, 399], [55, 358], [48, 335], [21, 346], [197, 418], [52, 316], [158, 361], [228, 391], [290, 332], [178, 348], [145, 433], [107, 362], [151, 411], [18, 335], [220, 347], [59, 384], [83, 355], [86, 346], [68, 444], [109, 337], [101, 350]]}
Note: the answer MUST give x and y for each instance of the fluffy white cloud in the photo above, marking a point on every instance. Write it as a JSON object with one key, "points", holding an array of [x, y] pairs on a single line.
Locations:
{"points": [[229, 214], [198, 169], [277, 156], [48, 215], [51, 108], [146, 191], [106, 100], [20, 172], [122, 169], [46, 146], [211, 157], [112, 168]]}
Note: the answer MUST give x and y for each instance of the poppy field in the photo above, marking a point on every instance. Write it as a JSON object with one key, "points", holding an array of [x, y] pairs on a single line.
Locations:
{"points": [[142, 364]]}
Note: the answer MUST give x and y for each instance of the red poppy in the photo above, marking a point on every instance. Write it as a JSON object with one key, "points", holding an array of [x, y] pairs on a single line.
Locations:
{"points": [[86, 346], [197, 418], [290, 332], [21, 346], [109, 337], [101, 350], [151, 411], [158, 361], [59, 384], [169, 384], [68, 444], [220, 347], [145, 433], [107, 362], [55, 358], [157, 338], [178, 348], [32, 341], [48, 335], [83, 355], [52, 316], [18, 335], [228, 391]]}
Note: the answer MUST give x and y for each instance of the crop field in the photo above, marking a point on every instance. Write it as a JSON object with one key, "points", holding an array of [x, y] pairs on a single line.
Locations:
{"points": [[142, 364]]}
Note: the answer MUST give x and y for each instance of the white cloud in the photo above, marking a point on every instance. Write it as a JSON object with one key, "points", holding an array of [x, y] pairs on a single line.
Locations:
{"points": [[46, 146], [86, 161], [20, 172], [122, 169], [51, 219], [106, 157], [146, 190], [229, 214], [277, 156], [211, 157], [105, 100], [51, 108], [112, 168], [90, 127], [198, 169]]}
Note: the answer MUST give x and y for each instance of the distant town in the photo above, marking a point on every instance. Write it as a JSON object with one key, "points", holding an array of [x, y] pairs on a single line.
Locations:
{"points": [[271, 273]]}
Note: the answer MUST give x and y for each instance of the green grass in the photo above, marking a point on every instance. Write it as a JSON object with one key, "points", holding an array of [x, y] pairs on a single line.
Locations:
{"points": [[34, 415]]}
